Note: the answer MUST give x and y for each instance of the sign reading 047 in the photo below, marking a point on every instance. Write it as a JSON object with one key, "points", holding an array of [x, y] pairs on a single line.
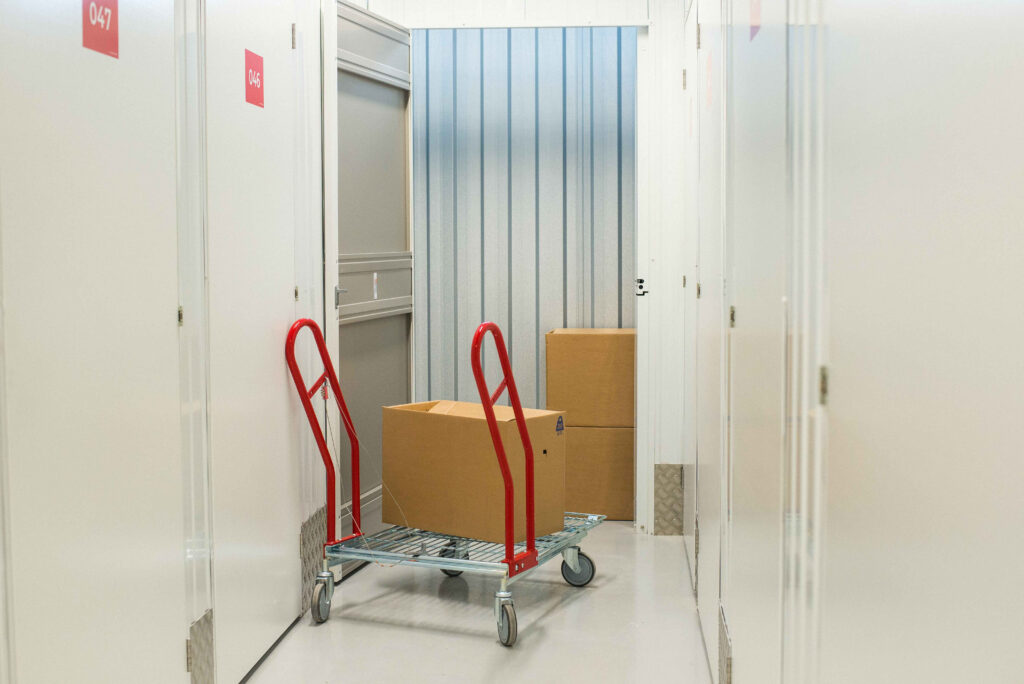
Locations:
{"points": [[99, 26], [253, 78]]}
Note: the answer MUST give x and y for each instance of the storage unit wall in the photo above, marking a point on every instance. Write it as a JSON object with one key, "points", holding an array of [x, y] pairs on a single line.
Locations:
{"points": [[868, 368], [524, 205]]}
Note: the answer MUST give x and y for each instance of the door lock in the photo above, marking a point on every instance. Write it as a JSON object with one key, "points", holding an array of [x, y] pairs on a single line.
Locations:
{"points": [[641, 290]]}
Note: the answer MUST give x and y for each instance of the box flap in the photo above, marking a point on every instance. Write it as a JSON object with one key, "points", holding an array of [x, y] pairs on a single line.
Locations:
{"points": [[422, 406], [593, 331], [465, 409]]}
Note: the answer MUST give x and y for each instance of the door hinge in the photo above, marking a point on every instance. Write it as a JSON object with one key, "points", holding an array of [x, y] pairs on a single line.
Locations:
{"points": [[684, 79], [698, 290], [296, 293], [181, 316], [696, 537], [823, 385], [684, 281], [188, 655], [698, 36], [338, 291], [732, 316], [293, 36]]}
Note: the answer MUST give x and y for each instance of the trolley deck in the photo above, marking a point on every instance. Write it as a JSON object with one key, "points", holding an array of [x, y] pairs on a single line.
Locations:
{"points": [[450, 554], [410, 546]]}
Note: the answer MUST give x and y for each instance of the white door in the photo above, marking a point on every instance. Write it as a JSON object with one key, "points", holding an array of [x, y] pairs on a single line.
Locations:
{"points": [[254, 416], [374, 259], [756, 258], [90, 336]]}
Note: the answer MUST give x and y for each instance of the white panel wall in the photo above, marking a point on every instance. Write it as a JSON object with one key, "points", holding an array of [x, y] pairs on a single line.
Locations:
{"points": [[689, 275], [756, 174], [6, 625], [193, 329], [309, 220], [662, 106], [711, 333], [872, 240], [921, 496], [90, 348]]}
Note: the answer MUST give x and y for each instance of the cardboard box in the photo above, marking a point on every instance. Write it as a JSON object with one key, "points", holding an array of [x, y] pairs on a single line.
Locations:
{"points": [[441, 472], [599, 471], [590, 376]]}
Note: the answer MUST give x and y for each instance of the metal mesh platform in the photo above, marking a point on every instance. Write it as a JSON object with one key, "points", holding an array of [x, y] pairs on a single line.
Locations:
{"points": [[409, 546]]}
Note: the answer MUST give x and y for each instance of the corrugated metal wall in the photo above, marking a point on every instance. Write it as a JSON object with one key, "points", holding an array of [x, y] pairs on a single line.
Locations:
{"points": [[524, 204]]}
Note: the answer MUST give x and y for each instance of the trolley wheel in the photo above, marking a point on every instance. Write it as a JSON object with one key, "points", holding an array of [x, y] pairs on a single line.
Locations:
{"points": [[449, 552], [319, 603], [583, 577], [507, 628]]}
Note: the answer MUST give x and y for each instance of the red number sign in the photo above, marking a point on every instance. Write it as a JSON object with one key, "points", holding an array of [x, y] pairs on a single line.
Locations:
{"points": [[99, 26], [755, 17], [253, 78]]}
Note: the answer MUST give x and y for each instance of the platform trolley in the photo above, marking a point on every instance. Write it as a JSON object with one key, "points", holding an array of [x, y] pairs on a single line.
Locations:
{"points": [[450, 554]]}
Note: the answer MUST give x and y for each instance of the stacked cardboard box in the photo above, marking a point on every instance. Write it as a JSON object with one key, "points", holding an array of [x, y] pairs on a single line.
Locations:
{"points": [[590, 376]]}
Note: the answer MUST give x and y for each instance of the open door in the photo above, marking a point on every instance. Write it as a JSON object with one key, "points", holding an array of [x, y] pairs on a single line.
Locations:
{"points": [[374, 296]]}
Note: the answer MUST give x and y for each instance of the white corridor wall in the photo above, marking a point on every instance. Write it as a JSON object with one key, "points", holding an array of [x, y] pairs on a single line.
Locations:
{"points": [[130, 186]]}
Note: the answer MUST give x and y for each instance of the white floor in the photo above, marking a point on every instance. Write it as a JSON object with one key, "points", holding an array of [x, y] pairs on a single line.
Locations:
{"points": [[636, 622]]}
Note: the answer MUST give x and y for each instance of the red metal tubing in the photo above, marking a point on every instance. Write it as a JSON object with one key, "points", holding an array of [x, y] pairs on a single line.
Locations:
{"points": [[497, 392], [527, 559], [305, 395]]}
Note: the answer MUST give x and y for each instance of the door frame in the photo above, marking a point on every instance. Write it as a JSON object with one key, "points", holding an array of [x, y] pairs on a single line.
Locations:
{"points": [[6, 625]]}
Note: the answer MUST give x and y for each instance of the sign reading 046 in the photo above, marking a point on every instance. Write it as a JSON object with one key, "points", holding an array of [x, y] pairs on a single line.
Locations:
{"points": [[253, 78]]}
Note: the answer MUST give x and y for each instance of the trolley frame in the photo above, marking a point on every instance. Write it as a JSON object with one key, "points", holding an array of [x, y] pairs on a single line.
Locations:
{"points": [[452, 555]]}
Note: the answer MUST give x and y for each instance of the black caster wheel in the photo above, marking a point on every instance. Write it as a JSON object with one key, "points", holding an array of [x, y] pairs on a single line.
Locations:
{"points": [[585, 574], [320, 603], [450, 551], [507, 627]]}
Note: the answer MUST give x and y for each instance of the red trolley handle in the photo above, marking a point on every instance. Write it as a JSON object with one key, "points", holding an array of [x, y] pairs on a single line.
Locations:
{"points": [[527, 559], [306, 395]]}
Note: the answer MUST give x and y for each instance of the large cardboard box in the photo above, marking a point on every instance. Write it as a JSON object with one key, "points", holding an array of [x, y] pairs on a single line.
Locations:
{"points": [[441, 473], [599, 471], [590, 375]]}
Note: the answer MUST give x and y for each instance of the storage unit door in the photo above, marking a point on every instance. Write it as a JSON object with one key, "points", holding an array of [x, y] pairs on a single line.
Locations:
{"points": [[93, 545], [374, 300]]}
